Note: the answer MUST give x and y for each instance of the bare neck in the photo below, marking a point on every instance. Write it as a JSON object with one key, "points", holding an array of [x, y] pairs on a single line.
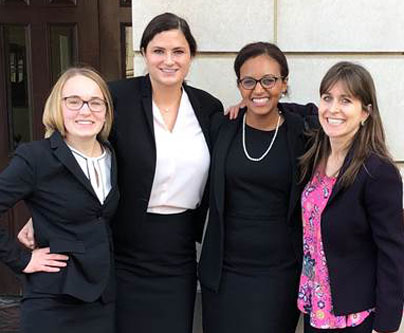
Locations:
{"points": [[166, 95], [265, 122], [339, 148], [335, 160]]}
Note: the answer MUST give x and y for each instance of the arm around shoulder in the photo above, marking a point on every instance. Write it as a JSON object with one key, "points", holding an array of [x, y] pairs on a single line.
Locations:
{"points": [[308, 112], [304, 110]]}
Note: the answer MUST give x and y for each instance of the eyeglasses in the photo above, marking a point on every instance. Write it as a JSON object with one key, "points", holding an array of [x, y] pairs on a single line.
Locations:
{"points": [[267, 82], [75, 103]]}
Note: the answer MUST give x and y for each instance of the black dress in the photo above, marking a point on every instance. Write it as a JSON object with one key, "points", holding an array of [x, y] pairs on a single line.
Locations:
{"points": [[259, 279]]}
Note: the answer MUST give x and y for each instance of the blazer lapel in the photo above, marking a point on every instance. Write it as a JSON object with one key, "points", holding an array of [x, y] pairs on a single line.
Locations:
{"points": [[65, 156], [337, 187], [222, 146], [196, 105], [146, 90], [114, 177], [295, 148], [200, 114]]}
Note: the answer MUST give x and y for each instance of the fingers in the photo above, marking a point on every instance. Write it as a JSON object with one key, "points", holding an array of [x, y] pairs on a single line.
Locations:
{"points": [[43, 250], [233, 110], [48, 258], [55, 263], [235, 113], [24, 239], [26, 235], [49, 269], [229, 112], [54, 256], [30, 235], [44, 261]]}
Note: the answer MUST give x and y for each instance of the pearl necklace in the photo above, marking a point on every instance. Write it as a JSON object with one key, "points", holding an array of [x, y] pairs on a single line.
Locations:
{"points": [[253, 159]]}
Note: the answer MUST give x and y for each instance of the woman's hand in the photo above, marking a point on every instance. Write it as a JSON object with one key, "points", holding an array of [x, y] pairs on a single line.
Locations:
{"points": [[26, 235], [44, 261], [232, 110]]}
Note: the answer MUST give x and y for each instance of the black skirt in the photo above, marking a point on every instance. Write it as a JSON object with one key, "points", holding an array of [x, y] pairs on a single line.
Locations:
{"points": [[259, 282], [66, 314], [156, 287]]}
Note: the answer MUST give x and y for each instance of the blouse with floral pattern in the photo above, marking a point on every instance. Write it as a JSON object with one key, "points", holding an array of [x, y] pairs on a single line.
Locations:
{"points": [[314, 290]]}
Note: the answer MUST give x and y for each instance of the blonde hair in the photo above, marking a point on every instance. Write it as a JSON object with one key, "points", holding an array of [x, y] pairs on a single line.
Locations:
{"points": [[52, 116]]}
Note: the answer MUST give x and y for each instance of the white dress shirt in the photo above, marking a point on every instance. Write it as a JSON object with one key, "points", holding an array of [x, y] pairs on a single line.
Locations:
{"points": [[97, 170], [182, 162]]}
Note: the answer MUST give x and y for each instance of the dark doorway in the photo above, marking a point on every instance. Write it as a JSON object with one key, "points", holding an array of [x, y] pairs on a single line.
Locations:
{"points": [[38, 40]]}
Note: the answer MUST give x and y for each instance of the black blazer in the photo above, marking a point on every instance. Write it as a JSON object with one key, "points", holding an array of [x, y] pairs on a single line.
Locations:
{"points": [[134, 143], [67, 217], [363, 237], [297, 117]]}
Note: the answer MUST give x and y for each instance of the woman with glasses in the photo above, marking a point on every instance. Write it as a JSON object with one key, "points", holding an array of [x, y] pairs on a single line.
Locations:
{"points": [[250, 261], [69, 183]]}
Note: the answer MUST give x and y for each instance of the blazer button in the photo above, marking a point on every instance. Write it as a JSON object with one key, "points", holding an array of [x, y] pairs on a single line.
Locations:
{"points": [[99, 214]]}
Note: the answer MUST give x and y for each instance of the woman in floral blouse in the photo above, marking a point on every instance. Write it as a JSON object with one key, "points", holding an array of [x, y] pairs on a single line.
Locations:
{"points": [[353, 231]]}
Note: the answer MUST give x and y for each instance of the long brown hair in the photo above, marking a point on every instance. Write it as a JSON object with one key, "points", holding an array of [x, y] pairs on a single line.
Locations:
{"points": [[368, 139]]}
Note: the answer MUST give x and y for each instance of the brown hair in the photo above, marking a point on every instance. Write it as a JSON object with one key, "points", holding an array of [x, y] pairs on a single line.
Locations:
{"points": [[166, 22], [52, 116], [368, 139]]}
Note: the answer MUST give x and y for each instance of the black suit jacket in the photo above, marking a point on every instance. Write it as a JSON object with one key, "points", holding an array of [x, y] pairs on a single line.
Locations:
{"points": [[67, 217], [298, 118], [134, 143], [363, 238]]}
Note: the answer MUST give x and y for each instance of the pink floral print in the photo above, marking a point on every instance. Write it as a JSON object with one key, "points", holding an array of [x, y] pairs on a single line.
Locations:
{"points": [[314, 290]]}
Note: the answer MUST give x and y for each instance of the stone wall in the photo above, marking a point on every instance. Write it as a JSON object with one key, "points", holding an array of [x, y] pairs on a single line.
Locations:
{"points": [[314, 34]]}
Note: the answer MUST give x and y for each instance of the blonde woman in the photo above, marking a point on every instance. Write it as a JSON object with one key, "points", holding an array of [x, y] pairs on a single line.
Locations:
{"points": [[68, 181]]}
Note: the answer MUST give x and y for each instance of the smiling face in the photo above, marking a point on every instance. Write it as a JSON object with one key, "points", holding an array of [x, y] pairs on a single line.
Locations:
{"points": [[262, 103], [82, 124], [168, 58], [340, 113]]}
